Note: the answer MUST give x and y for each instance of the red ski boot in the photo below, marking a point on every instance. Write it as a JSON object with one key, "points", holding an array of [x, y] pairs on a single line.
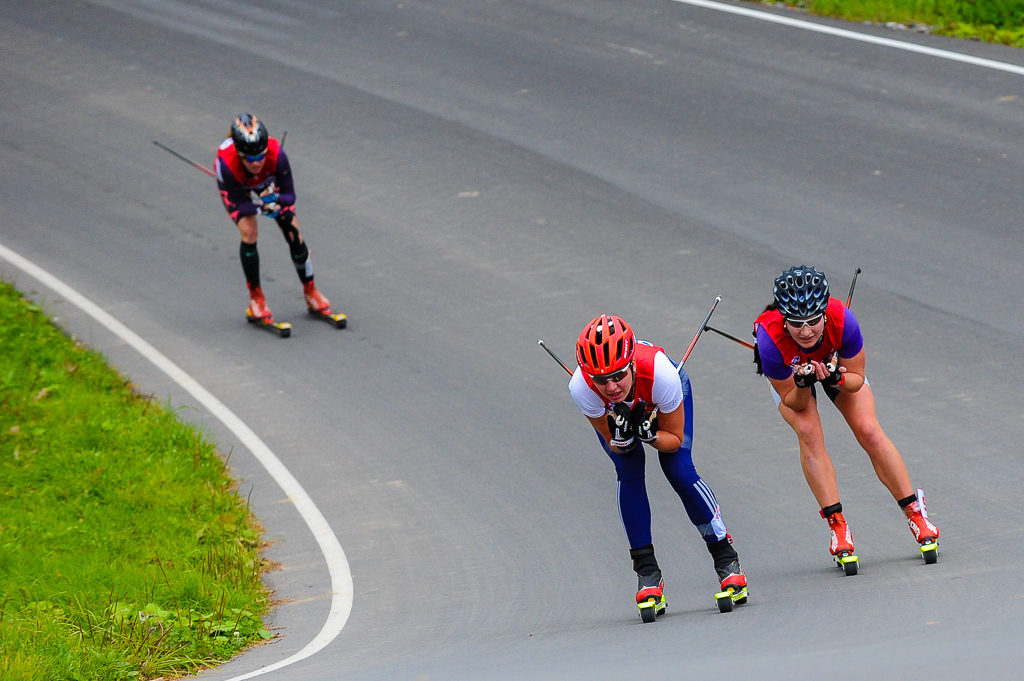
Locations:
{"points": [[650, 596], [842, 543], [259, 313], [316, 301], [926, 534], [258, 309], [320, 307]]}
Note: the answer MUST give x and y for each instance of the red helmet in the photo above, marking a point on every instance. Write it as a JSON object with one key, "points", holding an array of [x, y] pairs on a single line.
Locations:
{"points": [[605, 346]]}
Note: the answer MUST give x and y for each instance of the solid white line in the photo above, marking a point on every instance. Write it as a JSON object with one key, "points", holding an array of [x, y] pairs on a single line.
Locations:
{"points": [[337, 564], [853, 35]]}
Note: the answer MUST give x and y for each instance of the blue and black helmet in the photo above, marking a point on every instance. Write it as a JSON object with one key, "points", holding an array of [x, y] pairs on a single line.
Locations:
{"points": [[801, 292]]}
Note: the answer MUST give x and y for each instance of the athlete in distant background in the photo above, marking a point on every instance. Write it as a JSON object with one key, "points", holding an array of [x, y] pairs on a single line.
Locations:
{"points": [[251, 162], [633, 394], [805, 337]]}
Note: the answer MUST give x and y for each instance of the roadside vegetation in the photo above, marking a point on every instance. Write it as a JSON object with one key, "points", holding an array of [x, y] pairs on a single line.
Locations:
{"points": [[996, 21], [125, 551]]}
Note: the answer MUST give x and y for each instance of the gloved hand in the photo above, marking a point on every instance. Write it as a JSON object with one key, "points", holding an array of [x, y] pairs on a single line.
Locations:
{"points": [[804, 376], [268, 199], [835, 376], [646, 425], [620, 423]]}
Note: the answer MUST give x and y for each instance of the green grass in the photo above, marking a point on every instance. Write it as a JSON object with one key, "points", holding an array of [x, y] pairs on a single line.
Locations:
{"points": [[125, 552], [997, 21]]}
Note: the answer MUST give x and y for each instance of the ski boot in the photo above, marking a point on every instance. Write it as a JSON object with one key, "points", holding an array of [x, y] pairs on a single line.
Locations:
{"points": [[926, 534], [319, 306], [259, 313], [650, 596], [734, 586], [842, 543], [730, 574]]}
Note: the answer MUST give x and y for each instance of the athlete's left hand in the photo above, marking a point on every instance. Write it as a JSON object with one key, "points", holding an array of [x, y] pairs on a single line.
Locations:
{"points": [[830, 373], [646, 424], [268, 199]]}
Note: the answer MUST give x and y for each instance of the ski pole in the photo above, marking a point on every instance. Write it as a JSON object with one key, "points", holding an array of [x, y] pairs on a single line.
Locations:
{"points": [[555, 357], [734, 339], [703, 326], [186, 160], [853, 284], [283, 135]]}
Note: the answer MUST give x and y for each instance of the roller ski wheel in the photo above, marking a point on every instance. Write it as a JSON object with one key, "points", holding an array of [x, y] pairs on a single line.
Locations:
{"points": [[650, 597], [930, 551], [282, 329], [847, 562], [337, 319]]}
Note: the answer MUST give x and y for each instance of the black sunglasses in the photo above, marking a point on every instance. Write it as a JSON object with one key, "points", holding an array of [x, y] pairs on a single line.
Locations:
{"points": [[608, 378]]}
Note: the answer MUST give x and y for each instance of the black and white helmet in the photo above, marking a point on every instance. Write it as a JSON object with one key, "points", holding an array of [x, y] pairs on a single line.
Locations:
{"points": [[249, 135], [801, 292]]}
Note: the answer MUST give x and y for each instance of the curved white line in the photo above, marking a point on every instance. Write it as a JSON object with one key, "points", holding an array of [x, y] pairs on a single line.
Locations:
{"points": [[337, 564], [853, 35]]}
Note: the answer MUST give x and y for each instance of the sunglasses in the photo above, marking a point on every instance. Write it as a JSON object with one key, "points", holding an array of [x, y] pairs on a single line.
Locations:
{"points": [[257, 158], [813, 321], [610, 378]]}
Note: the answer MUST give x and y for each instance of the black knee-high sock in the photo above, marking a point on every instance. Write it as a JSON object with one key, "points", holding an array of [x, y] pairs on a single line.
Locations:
{"points": [[250, 264], [303, 264]]}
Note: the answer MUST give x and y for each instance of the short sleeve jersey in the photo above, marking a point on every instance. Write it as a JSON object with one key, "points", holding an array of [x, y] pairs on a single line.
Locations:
{"points": [[778, 357]]}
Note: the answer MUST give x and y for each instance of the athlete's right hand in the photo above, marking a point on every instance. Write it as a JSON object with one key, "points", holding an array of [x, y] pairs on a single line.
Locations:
{"points": [[620, 424], [804, 376]]}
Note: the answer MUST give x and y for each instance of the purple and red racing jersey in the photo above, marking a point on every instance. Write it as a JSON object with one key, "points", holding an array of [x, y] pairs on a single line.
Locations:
{"points": [[780, 354]]}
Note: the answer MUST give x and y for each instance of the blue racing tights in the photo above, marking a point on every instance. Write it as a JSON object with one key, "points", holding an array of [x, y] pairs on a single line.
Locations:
{"points": [[698, 499]]}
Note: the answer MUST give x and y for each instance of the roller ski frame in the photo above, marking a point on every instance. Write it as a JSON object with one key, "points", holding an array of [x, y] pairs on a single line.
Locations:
{"points": [[848, 562], [729, 596], [651, 598], [651, 608], [282, 329], [337, 319], [726, 599]]}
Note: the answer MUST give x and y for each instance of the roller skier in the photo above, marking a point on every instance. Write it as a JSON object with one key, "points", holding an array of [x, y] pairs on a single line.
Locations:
{"points": [[634, 395], [250, 162], [804, 338]]}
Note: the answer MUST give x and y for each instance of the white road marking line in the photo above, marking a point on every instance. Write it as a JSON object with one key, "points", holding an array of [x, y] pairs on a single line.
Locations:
{"points": [[337, 564], [853, 35]]}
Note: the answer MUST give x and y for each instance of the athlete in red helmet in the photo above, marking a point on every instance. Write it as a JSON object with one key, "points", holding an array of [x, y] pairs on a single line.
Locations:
{"points": [[633, 395], [251, 162], [806, 337]]}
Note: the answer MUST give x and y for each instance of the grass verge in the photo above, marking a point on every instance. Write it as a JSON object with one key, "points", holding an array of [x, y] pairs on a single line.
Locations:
{"points": [[125, 552], [995, 21]]}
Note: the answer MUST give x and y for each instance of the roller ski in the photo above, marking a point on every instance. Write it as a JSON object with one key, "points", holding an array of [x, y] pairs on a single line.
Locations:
{"points": [[650, 596], [926, 534], [734, 587], [320, 307], [842, 544], [259, 313]]}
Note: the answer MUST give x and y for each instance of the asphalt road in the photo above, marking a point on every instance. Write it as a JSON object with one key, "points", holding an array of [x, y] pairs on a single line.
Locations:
{"points": [[473, 176]]}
